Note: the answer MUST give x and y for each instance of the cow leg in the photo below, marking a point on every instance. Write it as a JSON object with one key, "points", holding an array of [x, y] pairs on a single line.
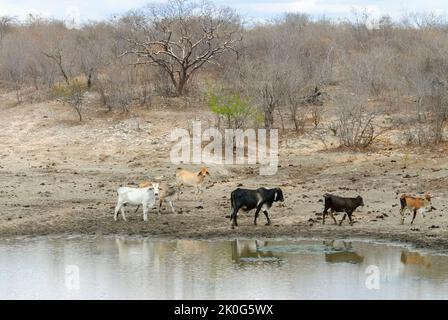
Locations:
{"points": [[343, 218], [350, 217], [159, 206], [145, 212], [170, 202], [233, 217], [117, 210], [402, 210], [323, 215], [179, 188], [332, 216], [413, 216], [123, 213], [257, 212], [267, 217], [196, 193]]}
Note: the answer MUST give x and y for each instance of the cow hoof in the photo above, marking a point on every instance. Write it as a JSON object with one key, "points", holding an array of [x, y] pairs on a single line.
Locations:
{"points": [[268, 224]]}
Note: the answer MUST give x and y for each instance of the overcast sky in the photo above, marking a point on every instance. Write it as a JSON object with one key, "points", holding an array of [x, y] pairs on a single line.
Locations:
{"points": [[256, 9]]}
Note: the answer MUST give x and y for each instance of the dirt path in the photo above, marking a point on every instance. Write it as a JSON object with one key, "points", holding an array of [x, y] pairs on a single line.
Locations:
{"points": [[59, 177]]}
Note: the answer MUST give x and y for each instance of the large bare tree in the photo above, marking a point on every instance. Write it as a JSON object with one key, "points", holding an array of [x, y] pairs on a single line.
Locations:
{"points": [[181, 36]]}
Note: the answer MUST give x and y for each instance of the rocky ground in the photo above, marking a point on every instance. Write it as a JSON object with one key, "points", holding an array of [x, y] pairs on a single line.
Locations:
{"points": [[59, 177]]}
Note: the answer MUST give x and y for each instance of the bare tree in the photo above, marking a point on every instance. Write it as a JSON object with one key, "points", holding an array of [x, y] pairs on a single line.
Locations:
{"points": [[72, 94], [298, 114], [430, 83], [6, 24], [56, 57], [271, 101], [58, 44], [181, 36], [95, 50], [355, 125]]}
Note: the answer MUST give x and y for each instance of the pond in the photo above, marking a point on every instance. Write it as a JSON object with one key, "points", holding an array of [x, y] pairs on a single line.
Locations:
{"points": [[117, 268]]}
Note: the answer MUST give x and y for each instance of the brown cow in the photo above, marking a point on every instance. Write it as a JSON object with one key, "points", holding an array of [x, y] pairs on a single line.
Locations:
{"points": [[166, 194], [187, 178], [414, 205]]}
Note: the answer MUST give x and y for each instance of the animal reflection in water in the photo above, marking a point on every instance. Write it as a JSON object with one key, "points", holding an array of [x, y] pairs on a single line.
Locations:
{"points": [[133, 251], [414, 258], [244, 251], [344, 254]]}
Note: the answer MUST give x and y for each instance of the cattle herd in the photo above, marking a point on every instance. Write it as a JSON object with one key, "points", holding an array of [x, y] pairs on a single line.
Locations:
{"points": [[260, 199]]}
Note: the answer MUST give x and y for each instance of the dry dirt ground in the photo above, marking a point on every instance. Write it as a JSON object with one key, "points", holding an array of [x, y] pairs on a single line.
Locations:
{"points": [[59, 177]]}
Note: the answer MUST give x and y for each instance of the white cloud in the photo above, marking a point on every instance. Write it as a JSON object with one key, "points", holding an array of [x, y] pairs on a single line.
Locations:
{"points": [[102, 9], [64, 9]]}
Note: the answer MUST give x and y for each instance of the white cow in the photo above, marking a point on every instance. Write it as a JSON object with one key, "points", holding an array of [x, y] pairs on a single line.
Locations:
{"points": [[145, 197]]}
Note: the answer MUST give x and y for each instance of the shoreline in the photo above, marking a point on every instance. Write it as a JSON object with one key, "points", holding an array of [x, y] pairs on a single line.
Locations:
{"points": [[47, 188], [412, 242]]}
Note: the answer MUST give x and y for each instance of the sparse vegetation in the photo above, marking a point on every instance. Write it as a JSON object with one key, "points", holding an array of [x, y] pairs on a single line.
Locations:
{"points": [[72, 94], [355, 125], [282, 67], [232, 109]]}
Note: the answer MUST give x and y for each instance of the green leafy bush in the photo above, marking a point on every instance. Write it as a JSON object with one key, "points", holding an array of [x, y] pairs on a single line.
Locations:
{"points": [[234, 109]]}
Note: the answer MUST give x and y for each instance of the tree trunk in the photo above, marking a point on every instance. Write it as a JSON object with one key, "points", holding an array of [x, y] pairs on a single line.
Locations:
{"points": [[268, 118], [181, 87], [78, 111]]}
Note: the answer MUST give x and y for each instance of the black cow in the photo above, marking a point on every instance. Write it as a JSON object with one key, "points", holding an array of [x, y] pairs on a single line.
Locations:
{"points": [[261, 199], [340, 204]]}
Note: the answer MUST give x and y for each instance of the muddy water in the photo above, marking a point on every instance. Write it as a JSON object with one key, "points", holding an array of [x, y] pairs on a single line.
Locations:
{"points": [[92, 268]]}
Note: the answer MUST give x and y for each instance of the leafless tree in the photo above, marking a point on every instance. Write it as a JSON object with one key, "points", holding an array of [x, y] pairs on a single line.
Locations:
{"points": [[58, 45], [72, 94], [57, 57], [355, 125], [181, 36], [271, 97], [430, 81], [6, 25]]}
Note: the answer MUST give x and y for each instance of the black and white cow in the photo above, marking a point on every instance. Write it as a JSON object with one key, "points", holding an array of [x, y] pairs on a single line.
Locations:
{"points": [[260, 199]]}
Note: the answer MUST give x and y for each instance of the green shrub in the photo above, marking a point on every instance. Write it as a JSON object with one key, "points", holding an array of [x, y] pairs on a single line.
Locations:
{"points": [[234, 109]]}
